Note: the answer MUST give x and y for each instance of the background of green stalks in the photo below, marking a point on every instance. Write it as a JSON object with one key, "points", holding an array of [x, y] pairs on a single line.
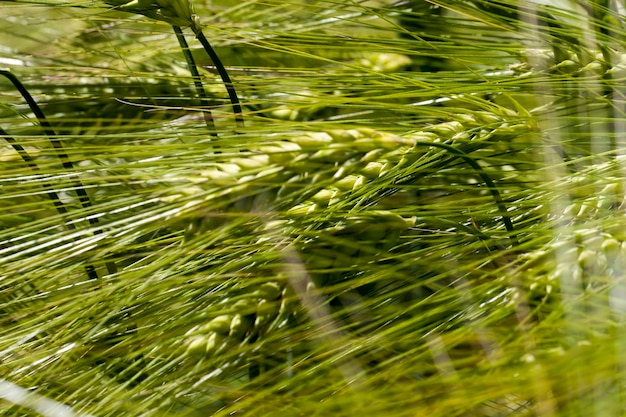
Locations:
{"points": [[418, 208]]}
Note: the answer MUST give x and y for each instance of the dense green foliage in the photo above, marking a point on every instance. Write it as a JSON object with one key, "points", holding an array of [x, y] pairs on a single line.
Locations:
{"points": [[421, 214]]}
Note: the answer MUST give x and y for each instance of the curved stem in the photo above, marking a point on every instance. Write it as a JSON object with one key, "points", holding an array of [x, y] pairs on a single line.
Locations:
{"points": [[230, 88], [83, 197], [197, 80], [52, 195], [506, 219]]}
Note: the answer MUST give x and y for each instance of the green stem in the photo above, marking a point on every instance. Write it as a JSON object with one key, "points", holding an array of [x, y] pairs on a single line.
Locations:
{"points": [[230, 88], [83, 197], [197, 80]]}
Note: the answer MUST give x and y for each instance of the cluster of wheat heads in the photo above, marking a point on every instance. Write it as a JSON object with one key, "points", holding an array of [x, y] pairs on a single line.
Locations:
{"points": [[422, 212]]}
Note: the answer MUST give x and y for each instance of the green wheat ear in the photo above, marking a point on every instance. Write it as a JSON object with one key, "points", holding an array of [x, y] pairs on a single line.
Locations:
{"points": [[179, 14], [174, 12]]}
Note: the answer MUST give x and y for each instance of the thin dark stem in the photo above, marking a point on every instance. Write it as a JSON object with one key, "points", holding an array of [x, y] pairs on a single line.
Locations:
{"points": [[230, 88], [83, 197], [506, 219], [52, 195], [197, 80]]}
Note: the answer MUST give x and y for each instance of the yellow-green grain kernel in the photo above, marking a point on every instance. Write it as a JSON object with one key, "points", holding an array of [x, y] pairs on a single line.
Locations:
{"points": [[373, 169], [611, 245], [374, 155], [269, 291], [245, 306], [350, 182], [447, 129], [487, 118], [266, 312], [220, 324], [566, 66], [323, 197], [230, 168], [587, 258], [214, 343], [387, 140], [239, 326], [466, 118], [592, 68], [248, 163], [303, 209], [284, 113], [586, 208], [313, 140], [331, 155], [343, 135], [197, 347]]}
